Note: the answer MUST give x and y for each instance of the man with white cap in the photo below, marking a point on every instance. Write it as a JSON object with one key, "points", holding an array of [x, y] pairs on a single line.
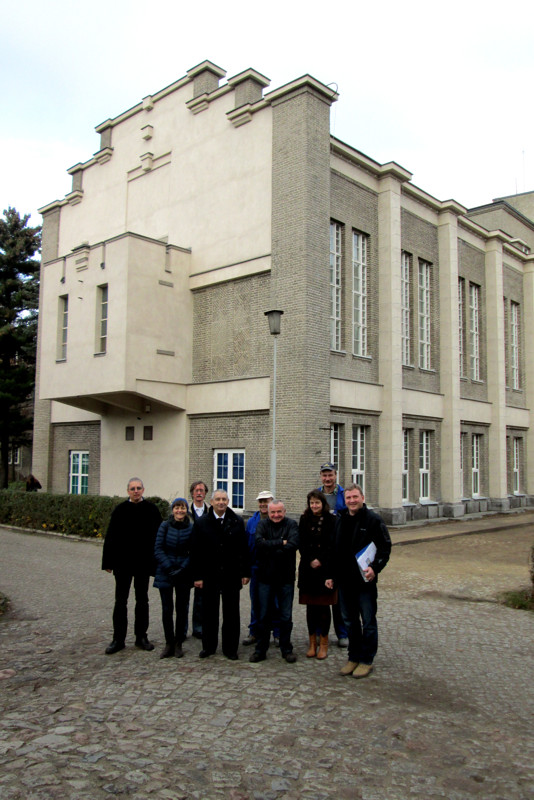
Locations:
{"points": [[263, 501]]}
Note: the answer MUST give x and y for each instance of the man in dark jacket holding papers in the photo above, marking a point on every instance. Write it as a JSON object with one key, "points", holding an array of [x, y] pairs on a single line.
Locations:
{"points": [[362, 549]]}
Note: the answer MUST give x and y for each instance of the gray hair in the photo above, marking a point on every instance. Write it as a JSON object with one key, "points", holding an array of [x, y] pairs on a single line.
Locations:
{"points": [[274, 502], [220, 491], [132, 480]]}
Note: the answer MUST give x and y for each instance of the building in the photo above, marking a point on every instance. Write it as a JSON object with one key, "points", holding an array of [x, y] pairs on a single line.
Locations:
{"points": [[403, 350]]}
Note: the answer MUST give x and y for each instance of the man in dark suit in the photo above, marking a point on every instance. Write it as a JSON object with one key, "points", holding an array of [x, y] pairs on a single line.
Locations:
{"points": [[220, 561]]}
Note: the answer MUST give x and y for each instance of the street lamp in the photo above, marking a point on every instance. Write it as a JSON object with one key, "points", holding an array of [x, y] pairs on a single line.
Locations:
{"points": [[274, 317]]}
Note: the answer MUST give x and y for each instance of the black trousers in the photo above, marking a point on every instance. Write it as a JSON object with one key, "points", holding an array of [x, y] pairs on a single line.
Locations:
{"points": [[123, 582], [213, 594], [171, 597]]}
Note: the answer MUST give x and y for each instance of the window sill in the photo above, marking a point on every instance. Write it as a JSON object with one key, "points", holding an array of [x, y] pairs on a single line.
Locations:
{"points": [[61, 360], [338, 352], [362, 358], [428, 370], [97, 355], [408, 366]]}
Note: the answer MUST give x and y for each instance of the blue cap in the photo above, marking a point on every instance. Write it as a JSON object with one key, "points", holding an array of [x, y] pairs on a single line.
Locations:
{"points": [[180, 500], [328, 466]]}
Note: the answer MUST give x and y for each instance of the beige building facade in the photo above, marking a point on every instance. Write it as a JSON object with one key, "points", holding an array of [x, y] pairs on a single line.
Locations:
{"points": [[403, 350]]}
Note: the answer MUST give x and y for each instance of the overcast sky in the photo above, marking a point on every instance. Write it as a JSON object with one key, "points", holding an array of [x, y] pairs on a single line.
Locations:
{"points": [[444, 89]]}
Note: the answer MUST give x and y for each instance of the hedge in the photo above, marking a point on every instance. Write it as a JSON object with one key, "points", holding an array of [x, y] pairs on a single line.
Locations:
{"points": [[79, 515]]}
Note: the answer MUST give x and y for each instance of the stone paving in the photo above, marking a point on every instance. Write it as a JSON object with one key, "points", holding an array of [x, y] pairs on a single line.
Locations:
{"points": [[447, 712]]}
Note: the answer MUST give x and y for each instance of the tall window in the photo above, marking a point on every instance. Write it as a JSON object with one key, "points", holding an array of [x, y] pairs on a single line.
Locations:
{"points": [[461, 331], [360, 246], [424, 465], [229, 475], [405, 465], [424, 315], [463, 444], [406, 269], [514, 344], [14, 456], [358, 455], [516, 455], [335, 430], [476, 442], [63, 324], [335, 286], [79, 472], [102, 319], [474, 331]]}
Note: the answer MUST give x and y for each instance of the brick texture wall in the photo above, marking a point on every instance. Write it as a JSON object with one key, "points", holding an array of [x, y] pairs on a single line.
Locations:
{"points": [[74, 436]]}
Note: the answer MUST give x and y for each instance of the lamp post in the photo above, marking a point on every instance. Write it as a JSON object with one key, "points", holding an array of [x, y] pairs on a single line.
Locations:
{"points": [[274, 317]]}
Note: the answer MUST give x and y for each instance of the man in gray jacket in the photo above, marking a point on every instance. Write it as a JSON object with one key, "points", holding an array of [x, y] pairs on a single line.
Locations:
{"points": [[277, 541]]}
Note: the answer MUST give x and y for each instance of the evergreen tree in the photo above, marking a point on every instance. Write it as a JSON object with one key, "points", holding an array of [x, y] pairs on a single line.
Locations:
{"points": [[19, 299]]}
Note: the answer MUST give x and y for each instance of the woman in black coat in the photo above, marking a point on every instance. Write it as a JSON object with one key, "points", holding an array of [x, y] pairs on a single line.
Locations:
{"points": [[173, 574], [316, 539]]}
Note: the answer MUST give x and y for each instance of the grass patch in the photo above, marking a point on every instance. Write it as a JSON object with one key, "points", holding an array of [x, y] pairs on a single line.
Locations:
{"points": [[522, 599]]}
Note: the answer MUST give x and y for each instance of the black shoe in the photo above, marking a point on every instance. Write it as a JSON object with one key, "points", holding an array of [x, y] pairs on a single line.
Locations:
{"points": [[168, 651], [255, 657], [231, 656], [178, 651], [205, 653], [114, 647], [290, 657], [249, 640], [143, 643]]}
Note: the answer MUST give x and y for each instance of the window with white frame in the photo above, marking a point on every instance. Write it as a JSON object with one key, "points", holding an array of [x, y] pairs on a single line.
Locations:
{"points": [[516, 465], [424, 314], [405, 465], [461, 331], [406, 271], [360, 247], [474, 331], [14, 456], [514, 344], [102, 318], [335, 431], [476, 443], [229, 475], [63, 325], [79, 472], [335, 286], [463, 441], [424, 465], [358, 455]]}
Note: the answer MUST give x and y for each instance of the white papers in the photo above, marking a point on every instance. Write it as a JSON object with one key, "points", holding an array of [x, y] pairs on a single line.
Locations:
{"points": [[366, 557]]}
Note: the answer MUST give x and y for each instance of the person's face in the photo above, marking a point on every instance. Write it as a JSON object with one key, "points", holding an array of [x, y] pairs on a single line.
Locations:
{"points": [[328, 478], [354, 500], [316, 506], [199, 493], [220, 503], [276, 512], [179, 512], [135, 491], [263, 504]]}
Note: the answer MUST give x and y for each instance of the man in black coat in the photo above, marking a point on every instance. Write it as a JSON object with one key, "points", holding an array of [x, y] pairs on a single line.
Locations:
{"points": [[129, 554], [356, 529], [220, 562], [277, 540]]}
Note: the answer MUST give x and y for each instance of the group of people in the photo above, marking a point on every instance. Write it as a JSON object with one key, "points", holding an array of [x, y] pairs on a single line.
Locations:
{"points": [[343, 545]]}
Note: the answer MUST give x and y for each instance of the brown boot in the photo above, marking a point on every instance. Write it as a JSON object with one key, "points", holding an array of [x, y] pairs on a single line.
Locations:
{"points": [[323, 647], [312, 651]]}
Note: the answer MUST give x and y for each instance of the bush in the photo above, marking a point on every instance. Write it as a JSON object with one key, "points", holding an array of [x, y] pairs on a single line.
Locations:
{"points": [[80, 515]]}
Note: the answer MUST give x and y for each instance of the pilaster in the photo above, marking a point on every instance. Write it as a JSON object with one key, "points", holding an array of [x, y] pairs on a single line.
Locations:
{"points": [[496, 371]]}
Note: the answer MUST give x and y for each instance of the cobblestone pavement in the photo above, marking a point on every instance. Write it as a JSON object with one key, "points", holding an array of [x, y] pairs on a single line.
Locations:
{"points": [[447, 712]]}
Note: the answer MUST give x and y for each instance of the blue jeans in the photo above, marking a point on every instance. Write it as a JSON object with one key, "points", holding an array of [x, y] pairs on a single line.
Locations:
{"points": [[254, 608], [358, 608], [268, 595]]}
